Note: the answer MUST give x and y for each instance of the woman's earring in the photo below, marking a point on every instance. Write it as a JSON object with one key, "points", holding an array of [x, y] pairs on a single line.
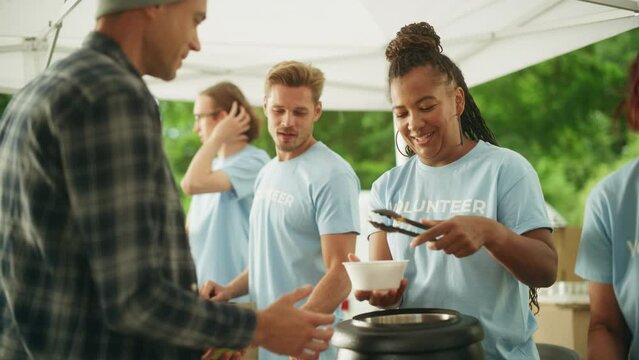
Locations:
{"points": [[461, 133], [397, 145]]}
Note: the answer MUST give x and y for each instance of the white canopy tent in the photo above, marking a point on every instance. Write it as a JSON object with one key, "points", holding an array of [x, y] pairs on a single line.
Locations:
{"points": [[241, 39]]}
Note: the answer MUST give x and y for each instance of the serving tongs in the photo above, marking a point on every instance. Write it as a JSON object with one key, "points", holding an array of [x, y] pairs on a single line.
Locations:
{"points": [[399, 218]]}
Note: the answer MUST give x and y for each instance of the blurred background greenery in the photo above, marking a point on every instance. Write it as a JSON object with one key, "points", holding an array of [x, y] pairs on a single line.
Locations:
{"points": [[558, 114]]}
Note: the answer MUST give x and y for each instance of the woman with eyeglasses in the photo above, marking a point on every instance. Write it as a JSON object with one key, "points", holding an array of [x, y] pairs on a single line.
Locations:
{"points": [[220, 177], [489, 245]]}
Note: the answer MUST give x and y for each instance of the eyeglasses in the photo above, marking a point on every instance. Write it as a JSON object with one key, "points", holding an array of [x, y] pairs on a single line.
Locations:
{"points": [[197, 117]]}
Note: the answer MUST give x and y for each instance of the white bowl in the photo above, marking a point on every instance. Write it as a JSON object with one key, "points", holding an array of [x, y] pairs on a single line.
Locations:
{"points": [[376, 275]]}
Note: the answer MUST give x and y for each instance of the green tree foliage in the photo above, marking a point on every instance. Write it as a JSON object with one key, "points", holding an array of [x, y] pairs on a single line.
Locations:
{"points": [[4, 101], [180, 142], [364, 139], [559, 115]]}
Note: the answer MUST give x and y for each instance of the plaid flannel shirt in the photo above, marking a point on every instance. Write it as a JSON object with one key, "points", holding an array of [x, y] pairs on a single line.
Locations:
{"points": [[94, 259]]}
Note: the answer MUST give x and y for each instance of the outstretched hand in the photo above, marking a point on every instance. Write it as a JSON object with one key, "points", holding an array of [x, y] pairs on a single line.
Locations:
{"points": [[286, 330], [385, 299]]}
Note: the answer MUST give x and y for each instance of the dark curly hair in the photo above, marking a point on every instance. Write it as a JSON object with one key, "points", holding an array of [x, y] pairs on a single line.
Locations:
{"points": [[418, 45]]}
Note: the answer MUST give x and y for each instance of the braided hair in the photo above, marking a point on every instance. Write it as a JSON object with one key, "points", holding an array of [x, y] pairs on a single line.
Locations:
{"points": [[417, 45]]}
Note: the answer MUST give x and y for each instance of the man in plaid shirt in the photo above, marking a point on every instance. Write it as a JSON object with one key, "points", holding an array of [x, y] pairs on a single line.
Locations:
{"points": [[94, 259]]}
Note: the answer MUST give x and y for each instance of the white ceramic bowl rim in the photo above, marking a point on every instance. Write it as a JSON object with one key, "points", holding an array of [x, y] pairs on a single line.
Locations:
{"points": [[372, 275], [375, 262]]}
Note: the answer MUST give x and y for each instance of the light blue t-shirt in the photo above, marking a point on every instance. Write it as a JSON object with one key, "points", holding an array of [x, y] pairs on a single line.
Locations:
{"points": [[488, 181], [609, 247], [219, 222], [296, 201]]}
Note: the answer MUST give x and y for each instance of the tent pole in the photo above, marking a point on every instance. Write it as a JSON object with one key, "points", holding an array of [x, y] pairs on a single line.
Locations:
{"points": [[68, 7], [58, 26]]}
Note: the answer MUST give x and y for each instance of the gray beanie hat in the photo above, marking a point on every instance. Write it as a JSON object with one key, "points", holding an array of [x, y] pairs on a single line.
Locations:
{"points": [[106, 7]]}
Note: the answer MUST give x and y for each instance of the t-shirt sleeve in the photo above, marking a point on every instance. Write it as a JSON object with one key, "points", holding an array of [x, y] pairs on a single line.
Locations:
{"points": [[242, 173], [594, 259], [337, 204], [521, 204]]}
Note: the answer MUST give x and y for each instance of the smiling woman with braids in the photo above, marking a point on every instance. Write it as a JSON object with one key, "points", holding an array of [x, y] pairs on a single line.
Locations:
{"points": [[489, 241]]}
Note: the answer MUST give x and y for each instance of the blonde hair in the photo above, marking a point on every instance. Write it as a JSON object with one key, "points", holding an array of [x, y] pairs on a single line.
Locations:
{"points": [[295, 74]]}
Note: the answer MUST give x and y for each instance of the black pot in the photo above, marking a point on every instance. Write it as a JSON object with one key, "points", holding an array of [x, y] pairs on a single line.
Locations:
{"points": [[408, 334]]}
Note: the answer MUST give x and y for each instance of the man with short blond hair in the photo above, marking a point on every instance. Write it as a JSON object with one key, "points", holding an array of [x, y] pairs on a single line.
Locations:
{"points": [[305, 215]]}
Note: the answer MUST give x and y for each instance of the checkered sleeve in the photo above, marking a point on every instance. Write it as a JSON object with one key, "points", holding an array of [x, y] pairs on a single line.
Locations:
{"points": [[112, 157]]}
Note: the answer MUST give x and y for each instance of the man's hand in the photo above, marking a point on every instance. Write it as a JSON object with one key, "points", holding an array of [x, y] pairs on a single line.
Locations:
{"points": [[215, 292], [286, 330]]}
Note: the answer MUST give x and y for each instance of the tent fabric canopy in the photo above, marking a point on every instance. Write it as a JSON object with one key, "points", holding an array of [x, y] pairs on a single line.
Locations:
{"points": [[345, 38]]}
